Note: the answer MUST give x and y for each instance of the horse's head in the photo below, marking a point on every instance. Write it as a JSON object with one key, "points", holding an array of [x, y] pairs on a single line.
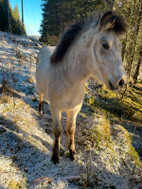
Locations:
{"points": [[106, 51]]}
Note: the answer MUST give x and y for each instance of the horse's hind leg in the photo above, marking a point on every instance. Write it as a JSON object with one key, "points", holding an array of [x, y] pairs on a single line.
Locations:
{"points": [[71, 126], [41, 104], [57, 129]]}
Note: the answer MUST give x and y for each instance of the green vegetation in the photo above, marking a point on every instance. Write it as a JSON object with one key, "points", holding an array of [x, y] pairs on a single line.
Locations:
{"points": [[100, 134], [13, 185], [111, 105], [58, 14], [124, 134], [14, 25], [115, 141]]}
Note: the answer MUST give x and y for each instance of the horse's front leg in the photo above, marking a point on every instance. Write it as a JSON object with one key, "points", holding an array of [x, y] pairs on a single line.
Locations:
{"points": [[71, 126], [57, 129]]}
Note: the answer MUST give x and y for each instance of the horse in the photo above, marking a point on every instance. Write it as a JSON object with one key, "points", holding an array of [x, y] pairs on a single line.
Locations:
{"points": [[89, 48]]}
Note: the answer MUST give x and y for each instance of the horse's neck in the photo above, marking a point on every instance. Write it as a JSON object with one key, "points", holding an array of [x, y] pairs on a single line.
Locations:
{"points": [[76, 64]]}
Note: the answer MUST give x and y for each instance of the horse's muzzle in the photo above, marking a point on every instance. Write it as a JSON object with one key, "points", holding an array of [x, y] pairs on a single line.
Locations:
{"points": [[120, 83]]}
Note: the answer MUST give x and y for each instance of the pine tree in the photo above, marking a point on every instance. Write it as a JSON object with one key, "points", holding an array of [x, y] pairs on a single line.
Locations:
{"points": [[3, 15], [16, 25], [16, 13], [51, 19], [57, 14]]}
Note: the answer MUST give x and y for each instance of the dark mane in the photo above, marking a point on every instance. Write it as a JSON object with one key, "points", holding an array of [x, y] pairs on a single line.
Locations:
{"points": [[66, 41], [109, 21]]}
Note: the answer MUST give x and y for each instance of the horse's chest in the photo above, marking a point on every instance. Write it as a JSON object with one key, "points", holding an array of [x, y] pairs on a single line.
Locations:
{"points": [[73, 100]]}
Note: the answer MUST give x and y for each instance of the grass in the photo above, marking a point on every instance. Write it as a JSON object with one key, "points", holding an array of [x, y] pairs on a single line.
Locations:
{"points": [[114, 141], [126, 111], [109, 103], [100, 134], [13, 185]]}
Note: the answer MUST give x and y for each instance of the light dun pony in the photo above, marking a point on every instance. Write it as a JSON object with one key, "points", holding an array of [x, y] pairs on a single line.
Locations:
{"points": [[89, 48]]}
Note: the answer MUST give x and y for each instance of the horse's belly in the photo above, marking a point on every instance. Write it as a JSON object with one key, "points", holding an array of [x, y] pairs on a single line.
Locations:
{"points": [[71, 106]]}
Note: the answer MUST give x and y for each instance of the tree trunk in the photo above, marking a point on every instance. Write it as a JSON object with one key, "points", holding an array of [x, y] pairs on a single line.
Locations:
{"points": [[123, 51], [132, 53], [137, 71]]}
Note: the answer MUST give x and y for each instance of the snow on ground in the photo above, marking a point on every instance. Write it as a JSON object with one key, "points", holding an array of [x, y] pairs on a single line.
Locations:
{"points": [[104, 161]]}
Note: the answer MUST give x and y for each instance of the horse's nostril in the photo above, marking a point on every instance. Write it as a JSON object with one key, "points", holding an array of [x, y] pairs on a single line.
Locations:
{"points": [[111, 86], [121, 82]]}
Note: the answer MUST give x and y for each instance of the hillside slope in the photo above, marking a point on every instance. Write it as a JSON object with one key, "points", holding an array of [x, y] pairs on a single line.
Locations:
{"points": [[106, 158]]}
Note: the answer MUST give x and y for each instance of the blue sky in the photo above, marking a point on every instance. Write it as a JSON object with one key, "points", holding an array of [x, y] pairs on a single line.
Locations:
{"points": [[32, 14]]}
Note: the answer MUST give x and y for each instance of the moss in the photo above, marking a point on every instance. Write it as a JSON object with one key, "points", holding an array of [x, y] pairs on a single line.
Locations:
{"points": [[90, 101], [13, 185], [135, 157], [100, 134], [131, 150], [109, 103]]}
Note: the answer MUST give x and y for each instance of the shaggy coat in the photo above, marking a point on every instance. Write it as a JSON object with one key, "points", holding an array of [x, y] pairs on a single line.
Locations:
{"points": [[88, 48]]}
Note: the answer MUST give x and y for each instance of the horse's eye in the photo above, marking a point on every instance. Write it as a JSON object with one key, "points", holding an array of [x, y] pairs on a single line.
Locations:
{"points": [[105, 45]]}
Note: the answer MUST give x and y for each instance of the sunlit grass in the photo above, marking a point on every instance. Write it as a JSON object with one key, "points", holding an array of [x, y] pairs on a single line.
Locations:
{"points": [[111, 105], [22, 116], [11, 174]]}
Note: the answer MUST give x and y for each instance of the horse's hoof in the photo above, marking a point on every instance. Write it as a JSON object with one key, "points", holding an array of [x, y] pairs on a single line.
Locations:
{"points": [[55, 159], [41, 112], [73, 155]]}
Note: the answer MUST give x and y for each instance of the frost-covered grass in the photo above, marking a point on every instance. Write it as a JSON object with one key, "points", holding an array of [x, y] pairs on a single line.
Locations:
{"points": [[106, 158], [126, 111]]}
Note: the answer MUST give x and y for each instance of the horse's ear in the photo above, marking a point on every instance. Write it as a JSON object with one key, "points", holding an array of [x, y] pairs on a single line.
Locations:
{"points": [[106, 22]]}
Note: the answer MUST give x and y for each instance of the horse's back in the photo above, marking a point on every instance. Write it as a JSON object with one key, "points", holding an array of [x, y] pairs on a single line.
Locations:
{"points": [[43, 68]]}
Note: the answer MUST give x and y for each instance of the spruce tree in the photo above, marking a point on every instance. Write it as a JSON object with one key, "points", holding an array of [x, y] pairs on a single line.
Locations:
{"points": [[4, 15], [16, 25], [58, 14], [1, 14]]}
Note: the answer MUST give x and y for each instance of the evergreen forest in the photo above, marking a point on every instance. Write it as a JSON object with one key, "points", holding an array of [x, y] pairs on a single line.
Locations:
{"points": [[10, 19]]}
